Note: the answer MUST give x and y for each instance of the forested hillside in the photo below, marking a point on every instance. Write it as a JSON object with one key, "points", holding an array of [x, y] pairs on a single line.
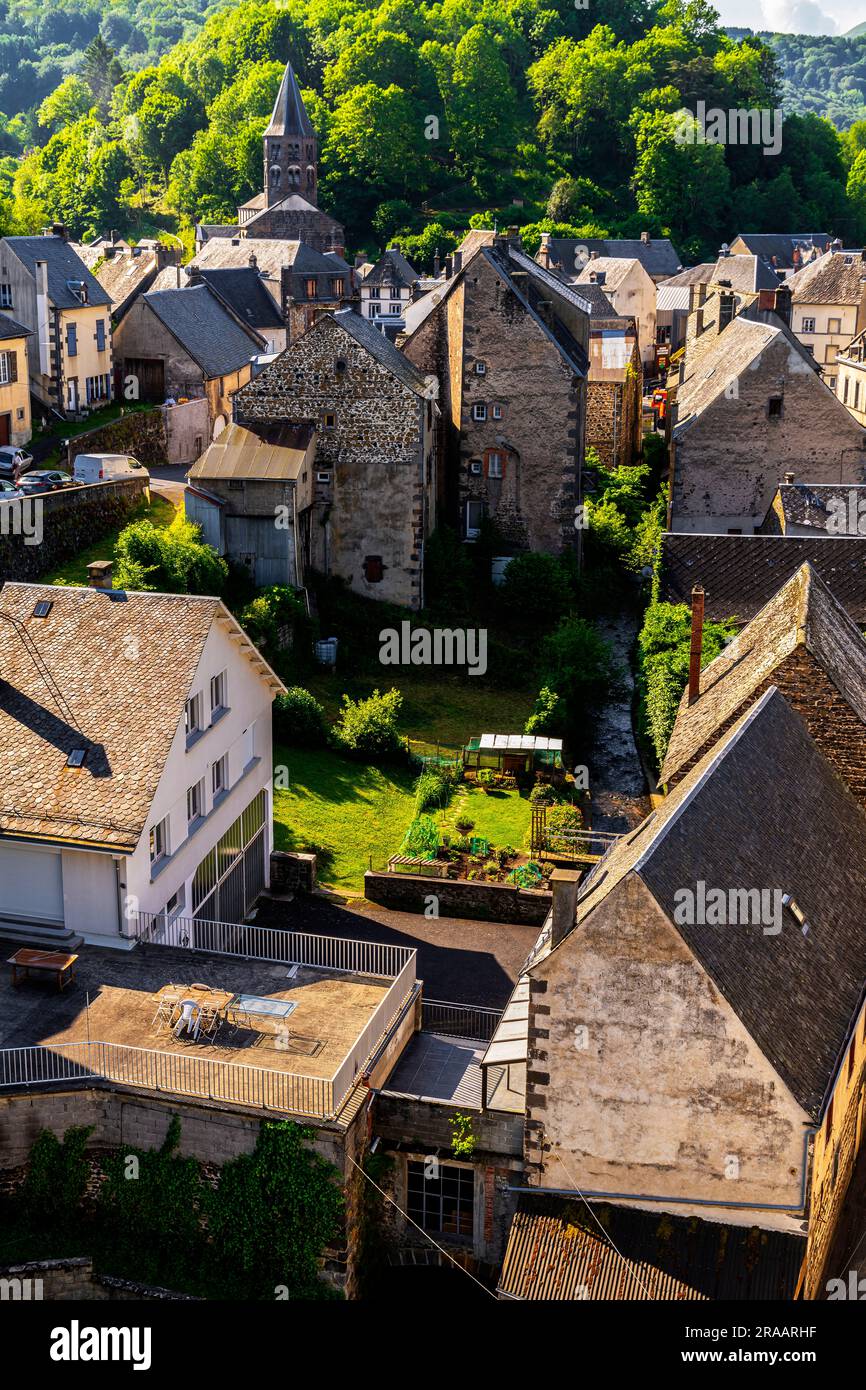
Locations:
{"points": [[820, 73], [431, 114]]}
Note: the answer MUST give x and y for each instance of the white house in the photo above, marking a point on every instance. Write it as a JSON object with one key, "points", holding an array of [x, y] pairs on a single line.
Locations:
{"points": [[386, 290], [135, 762], [632, 293]]}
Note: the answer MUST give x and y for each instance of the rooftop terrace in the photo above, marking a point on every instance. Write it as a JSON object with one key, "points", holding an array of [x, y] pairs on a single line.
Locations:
{"points": [[103, 1025]]}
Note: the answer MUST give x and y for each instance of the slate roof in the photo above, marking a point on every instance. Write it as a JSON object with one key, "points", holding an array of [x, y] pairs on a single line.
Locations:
{"points": [[392, 268], [695, 275], [747, 274], [124, 274], [381, 348], [810, 504], [205, 329], [245, 294], [714, 361], [769, 244], [11, 328], [217, 229], [763, 809], [803, 613], [657, 256], [740, 574], [600, 306], [63, 266], [271, 253], [258, 453], [124, 664], [558, 1249], [289, 116], [838, 277]]}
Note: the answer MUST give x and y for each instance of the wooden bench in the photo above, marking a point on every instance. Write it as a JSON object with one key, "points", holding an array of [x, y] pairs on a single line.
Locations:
{"points": [[55, 963], [407, 863]]}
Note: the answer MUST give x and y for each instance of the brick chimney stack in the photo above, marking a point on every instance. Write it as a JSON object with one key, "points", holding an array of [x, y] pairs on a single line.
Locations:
{"points": [[99, 574], [544, 251], [697, 643], [564, 884]]}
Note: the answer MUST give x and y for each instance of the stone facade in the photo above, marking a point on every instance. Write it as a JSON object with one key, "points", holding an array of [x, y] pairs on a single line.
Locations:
{"points": [[482, 902], [375, 491], [74, 1281], [614, 413], [519, 464]]}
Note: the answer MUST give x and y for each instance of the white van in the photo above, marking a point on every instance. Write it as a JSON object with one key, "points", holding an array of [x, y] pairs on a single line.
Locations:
{"points": [[104, 468]]}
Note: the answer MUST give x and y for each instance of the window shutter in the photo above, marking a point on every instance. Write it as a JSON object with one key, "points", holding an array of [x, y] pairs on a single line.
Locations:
{"points": [[12, 358]]}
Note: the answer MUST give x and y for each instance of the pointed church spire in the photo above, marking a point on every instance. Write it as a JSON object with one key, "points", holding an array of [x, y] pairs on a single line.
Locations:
{"points": [[289, 116]]}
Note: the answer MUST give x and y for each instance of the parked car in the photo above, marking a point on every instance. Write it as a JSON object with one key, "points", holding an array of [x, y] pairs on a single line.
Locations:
{"points": [[45, 480], [102, 468], [14, 461], [8, 491]]}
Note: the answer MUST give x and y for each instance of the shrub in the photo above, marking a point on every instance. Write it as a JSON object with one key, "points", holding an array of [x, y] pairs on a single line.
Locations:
{"points": [[663, 667], [369, 726], [447, 572], [535, 591], [173, 560], [577, 664], [270, 611], [433, 788], [422, 838], [299, 719], [544, 794], [548, 714]]}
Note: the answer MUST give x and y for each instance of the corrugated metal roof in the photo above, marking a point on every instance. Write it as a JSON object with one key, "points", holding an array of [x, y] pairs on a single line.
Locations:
{"points": [[274, 453], [556, 1251]]}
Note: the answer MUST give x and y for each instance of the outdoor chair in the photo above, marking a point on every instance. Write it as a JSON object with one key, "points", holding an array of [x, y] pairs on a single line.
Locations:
{"points": [[190, 1019], [165, 1007], [209, 1022]]}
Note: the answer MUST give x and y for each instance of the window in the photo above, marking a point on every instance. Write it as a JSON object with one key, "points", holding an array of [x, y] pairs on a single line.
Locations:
{"points": [[218, 700], [480, 368], [337, 288], [236, 484], [774, 407], [856, 395], [497, 412], [330, 420], [375, 294], [832, 352], [476, 467], [807, 326], [193, 719], [249, 745], [340, 366], [479, 411], [444, 1204], [195, 801], [374, 570], [311, 287], [494, 464], [5, 296], [71, 340], [5, 378], [175, 903], [395, 292], [100, 335], [474, 518], [159, 841], [220, 775], [834, 325]]}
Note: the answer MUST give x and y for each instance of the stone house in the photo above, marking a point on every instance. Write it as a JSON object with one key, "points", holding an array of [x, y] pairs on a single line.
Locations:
{"points": [[781, 251], [632, 293], [816, 509], [568, 256], [125, 272], [303, 283], [387, 289], [49, 290], [829, 306], [244, 294], [252, 493], [805, 645], [614, 386], [508, 340], [15, 426], [187, 343], [749, 408], [661, 1072], [376, 419], [675, 298]]}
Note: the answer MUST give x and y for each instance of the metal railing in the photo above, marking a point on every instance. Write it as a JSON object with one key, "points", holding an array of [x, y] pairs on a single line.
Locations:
{"points": [[177, 1074], [459, 1020], [386, 1012], [269, 943]]}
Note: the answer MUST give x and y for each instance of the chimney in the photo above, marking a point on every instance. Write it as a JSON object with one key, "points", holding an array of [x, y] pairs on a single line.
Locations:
{"points": [[58, 229], [697, 643], [789, 478], [783, 304], [193, 275], [99, 574], [564, 884], [645, 238], [254, 261], [449, 266], [593, 255], [458, 262], [514, 238], [437, 264], [543, 257]]}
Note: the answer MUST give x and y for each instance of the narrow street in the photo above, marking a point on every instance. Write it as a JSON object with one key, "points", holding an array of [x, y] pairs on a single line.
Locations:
{"points": [[620, 796]]}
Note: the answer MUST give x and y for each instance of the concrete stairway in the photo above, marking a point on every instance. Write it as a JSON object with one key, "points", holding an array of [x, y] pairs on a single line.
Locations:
{"points": [[16, 934]]}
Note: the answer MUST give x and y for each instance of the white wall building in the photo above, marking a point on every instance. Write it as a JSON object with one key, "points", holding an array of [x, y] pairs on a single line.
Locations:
{"points": [[135, 762]]}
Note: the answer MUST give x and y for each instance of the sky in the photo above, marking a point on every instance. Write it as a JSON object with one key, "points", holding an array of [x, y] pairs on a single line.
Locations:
{"points": [[793, 16]]}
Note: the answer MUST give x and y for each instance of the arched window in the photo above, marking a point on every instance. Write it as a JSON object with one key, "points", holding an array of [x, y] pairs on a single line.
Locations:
{"points": [[294, 177], [274, 175]]}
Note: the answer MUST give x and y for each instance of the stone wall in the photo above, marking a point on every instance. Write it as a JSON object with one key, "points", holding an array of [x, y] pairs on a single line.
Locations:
{"points": [[483, 902], [74, 1280], [71, 520], [166, 434]]}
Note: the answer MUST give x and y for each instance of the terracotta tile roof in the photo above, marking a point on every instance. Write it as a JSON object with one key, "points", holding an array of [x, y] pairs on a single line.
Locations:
{"points": [[764, 810], [740, 574], [559, 1250], [803, 613], [123, 664]]}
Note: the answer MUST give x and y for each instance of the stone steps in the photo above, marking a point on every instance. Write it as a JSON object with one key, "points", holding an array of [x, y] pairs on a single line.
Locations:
{"points": [[40, 938]]}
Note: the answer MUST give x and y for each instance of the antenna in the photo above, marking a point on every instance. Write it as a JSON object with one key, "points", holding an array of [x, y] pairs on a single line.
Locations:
{"points": [[50, 683]]}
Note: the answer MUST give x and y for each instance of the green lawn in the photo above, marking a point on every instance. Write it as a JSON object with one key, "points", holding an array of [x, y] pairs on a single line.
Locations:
{"points": [[343, 811], [502, 817], [438, 711], [159, 510]]}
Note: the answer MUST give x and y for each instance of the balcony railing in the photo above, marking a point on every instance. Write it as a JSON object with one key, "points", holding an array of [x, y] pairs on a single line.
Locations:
{"points": [[459, 1020]]}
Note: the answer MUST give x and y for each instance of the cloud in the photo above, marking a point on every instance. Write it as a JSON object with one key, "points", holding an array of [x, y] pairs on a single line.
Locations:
{"points": [[787, 16]]}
